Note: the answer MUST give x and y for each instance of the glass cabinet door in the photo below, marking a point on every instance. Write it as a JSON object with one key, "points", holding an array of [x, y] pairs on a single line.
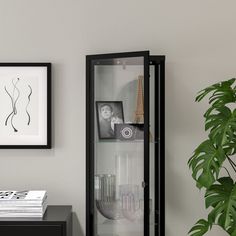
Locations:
{"points": [[119, 137]]}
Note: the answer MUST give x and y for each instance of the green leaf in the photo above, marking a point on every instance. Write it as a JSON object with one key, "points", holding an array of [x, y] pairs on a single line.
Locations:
{"points": [[223, 93], [222, 126], [222, 198], [209, 156], [200, 228], [206, 163], [233, 233], [230, 148]]}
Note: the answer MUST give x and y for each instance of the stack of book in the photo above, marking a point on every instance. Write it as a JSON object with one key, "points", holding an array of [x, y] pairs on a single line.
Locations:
{"points": [[23, 203]]}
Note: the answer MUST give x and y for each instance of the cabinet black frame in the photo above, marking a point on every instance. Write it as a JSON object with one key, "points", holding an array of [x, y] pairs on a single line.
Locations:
{"points": [[56, 217], [159, 63]]}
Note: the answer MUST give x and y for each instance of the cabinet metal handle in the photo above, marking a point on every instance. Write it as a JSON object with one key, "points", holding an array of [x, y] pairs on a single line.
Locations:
{"points": [[144, 184]]}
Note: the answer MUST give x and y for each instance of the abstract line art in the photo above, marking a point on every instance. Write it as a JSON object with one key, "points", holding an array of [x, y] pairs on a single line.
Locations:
{"points": [[26, 109], [14, 100], [14, 97]]}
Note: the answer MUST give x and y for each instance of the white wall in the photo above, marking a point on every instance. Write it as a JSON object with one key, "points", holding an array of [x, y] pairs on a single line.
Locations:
{"points": [[199, 40]]}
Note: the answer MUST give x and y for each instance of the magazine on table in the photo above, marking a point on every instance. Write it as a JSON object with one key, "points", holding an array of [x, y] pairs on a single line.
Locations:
{"points": [[26, 195], [27, 203]]}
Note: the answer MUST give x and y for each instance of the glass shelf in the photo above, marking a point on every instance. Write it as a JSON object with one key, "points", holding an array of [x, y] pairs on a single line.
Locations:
{"points": [[123, 142]]}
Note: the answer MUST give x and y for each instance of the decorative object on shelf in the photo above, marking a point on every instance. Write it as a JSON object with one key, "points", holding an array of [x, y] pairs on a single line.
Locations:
{"points": [[109, 113], [128, 166], [105, 196], [23, 203], [132, 204], [139, 112], [127, 203], [210, 156], [25, 100], [128, 132]]}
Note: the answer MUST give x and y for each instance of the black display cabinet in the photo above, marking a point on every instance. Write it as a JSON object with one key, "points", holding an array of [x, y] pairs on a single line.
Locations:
{"points": [[125, 144]]}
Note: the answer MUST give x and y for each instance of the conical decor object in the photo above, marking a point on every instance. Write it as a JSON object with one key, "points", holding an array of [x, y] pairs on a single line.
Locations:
{"points": [[139, 112]]}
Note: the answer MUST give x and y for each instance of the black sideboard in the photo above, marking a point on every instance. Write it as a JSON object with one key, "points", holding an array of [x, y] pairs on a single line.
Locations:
{"points": [[57, 221]]}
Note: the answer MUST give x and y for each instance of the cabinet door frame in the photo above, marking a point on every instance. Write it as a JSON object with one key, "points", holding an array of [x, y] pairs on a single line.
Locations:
{"points": [[90, 113], [159, 139]]}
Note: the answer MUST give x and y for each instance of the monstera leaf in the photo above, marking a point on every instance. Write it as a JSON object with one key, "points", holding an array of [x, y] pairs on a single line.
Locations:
{"points": [[222, 126], [206, 163], [223, 93], [208, 158], [200, 228], [230, 147], [222, 198]]}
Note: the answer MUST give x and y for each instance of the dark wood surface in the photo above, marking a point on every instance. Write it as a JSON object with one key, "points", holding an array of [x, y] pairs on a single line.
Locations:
{"points": [[57, 221]]}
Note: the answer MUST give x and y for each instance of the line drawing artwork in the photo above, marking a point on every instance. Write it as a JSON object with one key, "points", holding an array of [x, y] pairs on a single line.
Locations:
{"points": [[26, 109], [13, 102], [14, 97]]}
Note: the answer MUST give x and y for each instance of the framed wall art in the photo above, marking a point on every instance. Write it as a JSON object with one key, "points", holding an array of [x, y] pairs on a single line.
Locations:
{"points": [[25, 103], [109, 113]]}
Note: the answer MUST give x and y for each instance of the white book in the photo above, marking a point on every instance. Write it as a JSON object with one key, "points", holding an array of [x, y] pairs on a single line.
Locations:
{"points": [[22, 214], [5, 209], [15, 215], [23, 204]]}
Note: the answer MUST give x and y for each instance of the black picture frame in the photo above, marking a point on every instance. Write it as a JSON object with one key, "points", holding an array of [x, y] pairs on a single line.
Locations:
{"points": [[21, 82], [105, 130]]}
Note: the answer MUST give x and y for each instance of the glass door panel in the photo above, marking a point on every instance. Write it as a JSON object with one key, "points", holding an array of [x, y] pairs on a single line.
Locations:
{"points": [[119, 146]]}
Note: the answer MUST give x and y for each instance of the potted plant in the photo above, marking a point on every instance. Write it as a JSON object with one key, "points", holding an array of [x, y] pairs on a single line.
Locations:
{"points": [[210, 156]]}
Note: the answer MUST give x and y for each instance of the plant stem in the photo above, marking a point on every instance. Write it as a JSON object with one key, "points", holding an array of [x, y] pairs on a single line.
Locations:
{"points": [[227, 171], [231, 160], [231, 163]]}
